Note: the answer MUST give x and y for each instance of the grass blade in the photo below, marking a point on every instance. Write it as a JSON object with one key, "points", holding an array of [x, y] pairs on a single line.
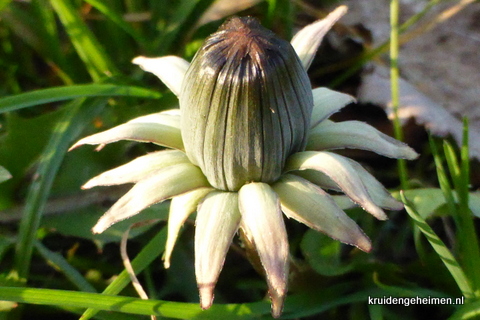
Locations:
{"points": [[86, 44], [182, 23], [118, 20], [175, 310], [443, 178], [76, 116], [59, 262], [448, 259], [33, 98], [467, 237]]}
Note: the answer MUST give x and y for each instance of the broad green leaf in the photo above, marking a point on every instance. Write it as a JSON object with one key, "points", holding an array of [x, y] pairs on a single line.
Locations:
{"points": [[323, 254], [37, 97], [428, 200]]}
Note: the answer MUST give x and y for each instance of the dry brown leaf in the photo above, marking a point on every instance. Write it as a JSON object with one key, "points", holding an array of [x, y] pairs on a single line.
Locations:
{"points": [[375, 89], [440, 62]]}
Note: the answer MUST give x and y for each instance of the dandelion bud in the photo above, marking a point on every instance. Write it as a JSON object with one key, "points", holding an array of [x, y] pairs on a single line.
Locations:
{"points": [[246, 103]]}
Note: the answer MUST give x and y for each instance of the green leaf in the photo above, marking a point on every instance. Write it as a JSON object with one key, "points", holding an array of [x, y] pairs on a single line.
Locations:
{"points": [[323, 254], [33, 98], [448, 259], [428, 200]]}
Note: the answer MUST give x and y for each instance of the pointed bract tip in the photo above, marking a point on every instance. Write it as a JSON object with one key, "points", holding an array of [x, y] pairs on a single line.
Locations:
{"points": [[277, 303], [88, 185], [75, 146], [98, 228], [339, 11], [364, 244], [138, 60], [206, 295], [166, 260], [411, 154]]}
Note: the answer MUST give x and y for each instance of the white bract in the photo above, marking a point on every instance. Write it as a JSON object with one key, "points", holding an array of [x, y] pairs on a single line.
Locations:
{"points": [[249, 142]]}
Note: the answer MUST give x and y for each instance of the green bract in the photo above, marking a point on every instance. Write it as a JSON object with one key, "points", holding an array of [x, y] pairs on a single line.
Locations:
{"points": [[243, 153]]}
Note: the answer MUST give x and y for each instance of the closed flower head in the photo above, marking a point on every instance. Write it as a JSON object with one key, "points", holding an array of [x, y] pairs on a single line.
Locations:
{"points": [[245, 105]]}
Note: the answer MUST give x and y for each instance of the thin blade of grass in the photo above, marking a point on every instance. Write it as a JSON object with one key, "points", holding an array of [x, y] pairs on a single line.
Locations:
{"points": [[150, 252], [86, 44], [182, 23], [49, 34], [465, 168], [442, 251], [174, 310], [37, 28], [77, 115], [118, 20], [33, 98], [468, 248], [452, 162], [59, 262], [443, 178], [470, 251]]}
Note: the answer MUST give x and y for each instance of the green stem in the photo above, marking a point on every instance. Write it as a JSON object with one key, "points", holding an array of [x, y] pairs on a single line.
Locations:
{"points": [[394, 80]]}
